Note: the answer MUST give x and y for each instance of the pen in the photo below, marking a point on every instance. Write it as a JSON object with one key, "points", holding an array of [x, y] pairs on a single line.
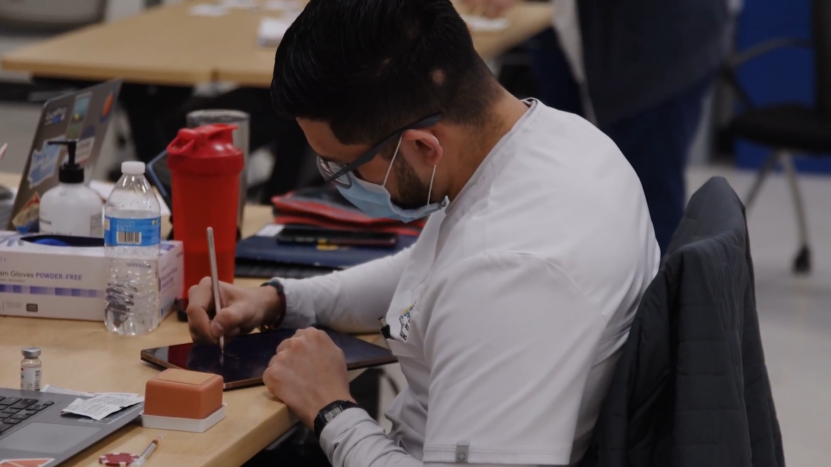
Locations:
{"points": [[147, 452], [215, 280]]}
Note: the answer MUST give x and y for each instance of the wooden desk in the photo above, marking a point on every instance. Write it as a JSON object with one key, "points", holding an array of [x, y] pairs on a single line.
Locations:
{"points": [[84, 356], [249, 65], [168, 46]]}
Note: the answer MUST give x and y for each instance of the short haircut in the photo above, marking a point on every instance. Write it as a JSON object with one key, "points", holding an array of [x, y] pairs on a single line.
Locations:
{"points": [[369, 67]]}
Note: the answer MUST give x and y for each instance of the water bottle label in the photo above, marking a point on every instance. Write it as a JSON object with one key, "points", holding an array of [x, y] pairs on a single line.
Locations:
{"points": [[132, 232]]}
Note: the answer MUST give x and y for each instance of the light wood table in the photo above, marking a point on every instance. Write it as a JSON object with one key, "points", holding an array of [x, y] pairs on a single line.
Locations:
{"points": [[168, 46], [84, 356]]}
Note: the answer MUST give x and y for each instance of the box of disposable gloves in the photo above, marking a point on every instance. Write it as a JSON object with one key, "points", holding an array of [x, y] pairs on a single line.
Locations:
{"points": [[64, 277]]}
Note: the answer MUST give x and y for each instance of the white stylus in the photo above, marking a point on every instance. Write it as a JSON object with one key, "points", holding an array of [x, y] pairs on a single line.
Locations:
{"points": [[215, 280]]}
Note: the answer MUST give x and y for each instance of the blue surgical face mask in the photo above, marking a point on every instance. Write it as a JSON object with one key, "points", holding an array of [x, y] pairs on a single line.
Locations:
{"points": [[375, 201]]}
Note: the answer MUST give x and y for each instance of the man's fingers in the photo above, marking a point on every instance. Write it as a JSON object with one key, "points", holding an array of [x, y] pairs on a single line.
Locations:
{"points": [[199, 325], [227, 320], [284, 345], [199, 322], [201, 294]]}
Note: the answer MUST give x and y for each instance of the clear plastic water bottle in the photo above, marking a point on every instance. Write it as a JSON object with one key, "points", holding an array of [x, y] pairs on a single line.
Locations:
{"points": [[132, 232]]}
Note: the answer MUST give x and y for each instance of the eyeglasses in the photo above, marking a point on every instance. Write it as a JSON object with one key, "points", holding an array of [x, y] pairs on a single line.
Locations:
{"points": [[337, 173]]}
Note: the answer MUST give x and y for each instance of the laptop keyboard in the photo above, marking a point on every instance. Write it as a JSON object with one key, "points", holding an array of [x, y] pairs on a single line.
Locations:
{"points": [[14, 410]]}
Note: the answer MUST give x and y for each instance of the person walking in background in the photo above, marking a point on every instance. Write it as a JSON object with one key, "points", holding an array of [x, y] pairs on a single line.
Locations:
{"points": [[639, 70]]}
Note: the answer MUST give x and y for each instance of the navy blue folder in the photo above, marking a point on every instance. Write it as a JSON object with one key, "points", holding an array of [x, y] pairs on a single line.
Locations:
{"points": [[260, 249]]}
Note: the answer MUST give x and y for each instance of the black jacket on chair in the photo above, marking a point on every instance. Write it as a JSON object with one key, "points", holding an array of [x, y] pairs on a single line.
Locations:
{"points": [[691, 387]]}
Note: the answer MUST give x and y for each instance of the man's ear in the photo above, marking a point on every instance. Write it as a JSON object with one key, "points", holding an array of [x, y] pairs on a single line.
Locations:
{"points": [[426, 143]]}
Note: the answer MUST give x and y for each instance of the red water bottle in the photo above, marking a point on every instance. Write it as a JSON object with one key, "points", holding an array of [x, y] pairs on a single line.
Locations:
{"points": [[205, 167]]}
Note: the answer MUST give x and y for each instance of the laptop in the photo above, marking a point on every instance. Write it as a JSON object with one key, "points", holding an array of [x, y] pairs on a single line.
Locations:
{"points": [[34, 433], [83, 115]]}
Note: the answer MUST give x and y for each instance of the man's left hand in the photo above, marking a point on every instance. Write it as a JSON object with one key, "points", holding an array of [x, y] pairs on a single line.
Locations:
{"points": [[308, 373]]}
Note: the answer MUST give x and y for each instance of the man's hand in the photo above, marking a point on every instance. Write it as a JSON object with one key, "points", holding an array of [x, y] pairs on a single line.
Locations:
{"points": [[307, 374], [490, 8], [243, 309]]}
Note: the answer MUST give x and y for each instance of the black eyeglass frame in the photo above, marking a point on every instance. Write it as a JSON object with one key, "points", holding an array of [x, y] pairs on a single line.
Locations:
{"points": [[326, 170]]}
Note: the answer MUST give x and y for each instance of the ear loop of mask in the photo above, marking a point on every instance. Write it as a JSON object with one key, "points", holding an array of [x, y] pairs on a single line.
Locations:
{"points": [[392, 161]]}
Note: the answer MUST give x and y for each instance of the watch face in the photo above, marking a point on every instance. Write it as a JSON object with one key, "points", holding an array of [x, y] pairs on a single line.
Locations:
{"points": [[331, 414]]}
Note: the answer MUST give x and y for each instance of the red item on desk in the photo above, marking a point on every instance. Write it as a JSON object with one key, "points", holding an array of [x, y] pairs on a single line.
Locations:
{"points": [[325, 207], [205, 167]]}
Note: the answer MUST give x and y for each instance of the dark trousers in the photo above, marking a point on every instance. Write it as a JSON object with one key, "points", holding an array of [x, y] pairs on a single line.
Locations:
{"points": [[656, 141]]}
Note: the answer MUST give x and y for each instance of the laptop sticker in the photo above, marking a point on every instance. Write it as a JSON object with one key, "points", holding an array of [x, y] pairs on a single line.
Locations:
{"points": [[107, 108], [79, 115], [27, 219], [55, 116], [44, 162], [83, 150]]}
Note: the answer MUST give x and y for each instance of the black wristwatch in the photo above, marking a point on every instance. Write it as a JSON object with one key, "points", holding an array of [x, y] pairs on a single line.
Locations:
{"points": [[281, 313], [328, 413]]}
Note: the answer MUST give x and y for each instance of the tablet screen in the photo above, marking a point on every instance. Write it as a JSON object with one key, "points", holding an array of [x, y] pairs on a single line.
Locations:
{"points": [[247, 357]]}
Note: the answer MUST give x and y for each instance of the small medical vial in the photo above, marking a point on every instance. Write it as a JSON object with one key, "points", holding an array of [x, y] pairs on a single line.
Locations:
{"points": [[30, 369]]}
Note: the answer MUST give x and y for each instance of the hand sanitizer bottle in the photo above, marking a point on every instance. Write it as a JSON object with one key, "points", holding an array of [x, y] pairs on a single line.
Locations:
{"points": [[71, 208]]}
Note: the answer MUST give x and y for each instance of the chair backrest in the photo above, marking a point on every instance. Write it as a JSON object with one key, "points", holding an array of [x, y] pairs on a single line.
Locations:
{"points": [[821, 17], [691, 386]]}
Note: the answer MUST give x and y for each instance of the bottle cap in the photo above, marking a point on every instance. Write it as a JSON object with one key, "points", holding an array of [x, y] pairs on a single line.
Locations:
{"points": [[70, 171], [31, 352], [132, 168]]}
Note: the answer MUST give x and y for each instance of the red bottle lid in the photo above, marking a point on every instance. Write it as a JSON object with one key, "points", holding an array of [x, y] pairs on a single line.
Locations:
{"points": [[207, 150]]}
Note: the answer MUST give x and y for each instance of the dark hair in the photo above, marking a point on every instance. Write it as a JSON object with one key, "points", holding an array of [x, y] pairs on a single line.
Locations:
{"points": [[369, 67]]}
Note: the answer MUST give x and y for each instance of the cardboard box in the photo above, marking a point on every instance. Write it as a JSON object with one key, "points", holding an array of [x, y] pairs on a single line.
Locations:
{"points": [[41, 281]]}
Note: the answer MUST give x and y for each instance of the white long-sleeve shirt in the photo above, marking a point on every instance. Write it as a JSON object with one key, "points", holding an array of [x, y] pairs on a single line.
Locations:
{"points": [[508, 314]]}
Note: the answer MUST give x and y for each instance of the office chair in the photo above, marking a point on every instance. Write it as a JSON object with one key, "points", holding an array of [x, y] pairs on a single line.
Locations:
{"points": [[789, 127]]}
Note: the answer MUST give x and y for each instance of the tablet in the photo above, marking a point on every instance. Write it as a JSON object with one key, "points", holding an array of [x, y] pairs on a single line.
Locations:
{"points": [[246, 357]]}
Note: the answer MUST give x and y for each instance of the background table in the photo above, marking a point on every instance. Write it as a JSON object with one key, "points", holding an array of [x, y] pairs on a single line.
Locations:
{"points": [[84, 356], [168, 46]]}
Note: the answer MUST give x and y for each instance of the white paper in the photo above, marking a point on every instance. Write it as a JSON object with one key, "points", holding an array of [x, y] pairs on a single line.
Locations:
{"points": [[118, 394], [482, 24], [93, 410], [206, 9], [104, 189], [272, 30], [57, 390], [284, 5], [98, 406], [271, 230], [120, 400], [244, 4]]}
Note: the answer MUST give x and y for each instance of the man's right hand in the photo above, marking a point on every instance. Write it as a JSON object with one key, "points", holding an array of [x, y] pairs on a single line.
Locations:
{"points": [[243, 309]]}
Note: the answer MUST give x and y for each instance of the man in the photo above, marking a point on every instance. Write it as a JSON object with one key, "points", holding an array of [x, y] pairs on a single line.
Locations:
{"points": [[508, 314], [640, 69]]}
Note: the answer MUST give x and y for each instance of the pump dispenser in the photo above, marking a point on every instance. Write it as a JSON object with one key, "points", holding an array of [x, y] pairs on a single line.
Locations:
{"points": [[71, 208]]}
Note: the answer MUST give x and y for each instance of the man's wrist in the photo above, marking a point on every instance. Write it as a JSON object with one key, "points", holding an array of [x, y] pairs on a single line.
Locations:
{"points": [[275, 309], [330, 412]]}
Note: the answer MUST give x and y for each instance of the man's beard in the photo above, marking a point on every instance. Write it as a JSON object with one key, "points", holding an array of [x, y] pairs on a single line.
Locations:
{"points": [[412, 192]]}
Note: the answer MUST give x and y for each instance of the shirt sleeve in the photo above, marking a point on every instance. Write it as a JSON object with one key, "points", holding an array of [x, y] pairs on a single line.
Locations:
{"points": [[510, 344], [348, 301], [354, 439]]}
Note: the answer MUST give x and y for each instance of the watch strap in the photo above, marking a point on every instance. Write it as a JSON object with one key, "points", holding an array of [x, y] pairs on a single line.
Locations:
{"points": [[328, 413], [281, 311]]}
